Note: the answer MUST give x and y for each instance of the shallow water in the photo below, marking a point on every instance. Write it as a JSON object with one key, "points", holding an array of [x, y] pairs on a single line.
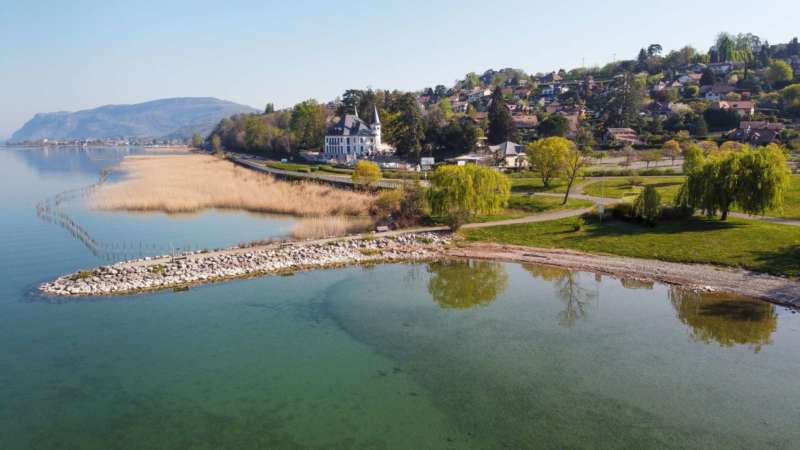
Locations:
{"points": [[447, 355]]}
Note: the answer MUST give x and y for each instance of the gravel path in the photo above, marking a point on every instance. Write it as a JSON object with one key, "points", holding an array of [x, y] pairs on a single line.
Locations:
{"points": [[700, 277]]}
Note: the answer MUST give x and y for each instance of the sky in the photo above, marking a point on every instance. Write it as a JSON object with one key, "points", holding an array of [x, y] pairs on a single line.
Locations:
{"points": [[73, 55]]}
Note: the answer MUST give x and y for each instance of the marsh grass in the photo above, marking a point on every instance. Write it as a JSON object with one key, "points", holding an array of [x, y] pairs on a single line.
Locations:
{"points": [[190, 183], [322, 227]]}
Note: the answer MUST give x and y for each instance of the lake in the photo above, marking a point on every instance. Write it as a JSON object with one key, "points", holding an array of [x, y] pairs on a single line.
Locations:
{"points": [[451, 355]]}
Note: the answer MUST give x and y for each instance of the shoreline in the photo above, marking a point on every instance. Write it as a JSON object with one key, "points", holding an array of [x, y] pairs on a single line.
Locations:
{"points": [[286, 257], [697, 277]]}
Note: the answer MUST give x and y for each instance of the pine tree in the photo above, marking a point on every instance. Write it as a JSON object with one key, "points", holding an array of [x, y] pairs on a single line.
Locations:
{"points": [[501, 126]]}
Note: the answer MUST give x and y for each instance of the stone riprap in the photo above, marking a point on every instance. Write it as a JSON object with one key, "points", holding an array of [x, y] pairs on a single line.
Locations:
{"points": [[188, 269]]}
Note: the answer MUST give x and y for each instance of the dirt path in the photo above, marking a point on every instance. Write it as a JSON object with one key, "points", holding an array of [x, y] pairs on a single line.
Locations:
{"points": [[694, 276]]}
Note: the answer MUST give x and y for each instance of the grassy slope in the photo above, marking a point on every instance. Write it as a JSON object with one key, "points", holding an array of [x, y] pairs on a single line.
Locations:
{"points": [[619, 187], [525, 205], [668, 187], [532, 184], [760, 246]]}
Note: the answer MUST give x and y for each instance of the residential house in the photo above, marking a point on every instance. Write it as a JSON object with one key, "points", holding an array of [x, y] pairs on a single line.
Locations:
{"points": [[659, 109], [745, 108], [478, 94], [553, 108], [510, 154], [624, 136], [756, 132], [525, 122], [521, 93], [552, 77], [473, 158], [690, 78], [721, 69], [716, 92], [458, 106]]}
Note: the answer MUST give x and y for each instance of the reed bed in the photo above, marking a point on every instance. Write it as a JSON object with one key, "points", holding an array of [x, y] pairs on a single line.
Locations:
{"points": [[191, 183], [322, 227]]}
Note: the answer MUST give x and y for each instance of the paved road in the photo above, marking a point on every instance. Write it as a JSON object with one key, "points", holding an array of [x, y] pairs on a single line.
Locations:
{"points": [[256, 163]]}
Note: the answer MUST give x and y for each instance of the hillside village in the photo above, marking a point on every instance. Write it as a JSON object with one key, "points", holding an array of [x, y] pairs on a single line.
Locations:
{"points": [[742, 89]]}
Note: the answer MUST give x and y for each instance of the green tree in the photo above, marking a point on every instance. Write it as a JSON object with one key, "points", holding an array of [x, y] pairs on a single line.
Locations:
{"points": [[366, 173], [708, 78], [464, 191], [547, 157], [647, 205], [554, 125], [308, 124], [197, 141], [654, 49], [405, 127], [763, 179], [779, 71], [699, 126], [501, 126], [572, 168], [790, 98], [269, 109], [622, 108], [672, 150], [649, 156]]}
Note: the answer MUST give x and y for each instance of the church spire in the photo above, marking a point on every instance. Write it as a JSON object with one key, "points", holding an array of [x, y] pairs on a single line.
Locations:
{"points": [[375, 119]]}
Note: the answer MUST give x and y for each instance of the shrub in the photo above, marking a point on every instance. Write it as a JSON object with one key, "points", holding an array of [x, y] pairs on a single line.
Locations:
{"points": [[456, 218], [647, 206], [635, 180]]}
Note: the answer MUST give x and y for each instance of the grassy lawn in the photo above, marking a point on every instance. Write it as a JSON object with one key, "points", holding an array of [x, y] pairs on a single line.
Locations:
{"points": [[761, 246], [526, 205], [532, 184], [621, 187]]}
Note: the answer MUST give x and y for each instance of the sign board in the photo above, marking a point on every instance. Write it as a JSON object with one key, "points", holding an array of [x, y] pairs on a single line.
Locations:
{"points": [[426, 161]]}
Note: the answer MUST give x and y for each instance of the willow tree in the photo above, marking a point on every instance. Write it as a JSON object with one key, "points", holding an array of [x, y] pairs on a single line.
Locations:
{"points": [[763, 180], [460, 192], [753, 179]]}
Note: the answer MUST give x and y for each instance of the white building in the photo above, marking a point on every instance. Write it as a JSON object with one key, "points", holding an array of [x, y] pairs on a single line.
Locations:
{"points": [[352, 138]]}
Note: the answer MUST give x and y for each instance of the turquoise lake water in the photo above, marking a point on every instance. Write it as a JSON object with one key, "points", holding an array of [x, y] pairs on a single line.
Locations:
{"points": [[451, 355]]}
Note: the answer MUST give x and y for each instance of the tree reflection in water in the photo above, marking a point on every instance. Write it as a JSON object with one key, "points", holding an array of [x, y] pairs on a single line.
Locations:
{"points": [[464, 284], [724, 320], [576, 298]]}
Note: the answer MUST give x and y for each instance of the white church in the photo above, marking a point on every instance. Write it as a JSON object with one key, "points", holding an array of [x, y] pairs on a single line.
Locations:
{"points": [[351, 138]]}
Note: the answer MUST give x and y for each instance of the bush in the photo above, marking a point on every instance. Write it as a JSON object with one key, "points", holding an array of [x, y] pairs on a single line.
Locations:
{"points": [[455, 219], [647, 206], [635, 180]]}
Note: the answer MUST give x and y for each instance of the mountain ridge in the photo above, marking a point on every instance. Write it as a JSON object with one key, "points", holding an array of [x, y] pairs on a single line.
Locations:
{"points": [[176, 117]]}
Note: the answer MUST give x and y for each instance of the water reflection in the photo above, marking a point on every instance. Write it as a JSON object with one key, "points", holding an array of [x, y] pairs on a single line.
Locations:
{"points": [[465, 284], [577, 299], [723, 320]]}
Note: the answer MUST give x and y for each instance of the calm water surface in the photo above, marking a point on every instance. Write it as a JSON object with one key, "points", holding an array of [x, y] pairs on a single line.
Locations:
{"points": [[448, 355]]}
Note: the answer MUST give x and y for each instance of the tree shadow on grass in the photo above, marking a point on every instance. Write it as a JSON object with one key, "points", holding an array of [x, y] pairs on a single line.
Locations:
{"points": [[616, 227], [784, 261]]}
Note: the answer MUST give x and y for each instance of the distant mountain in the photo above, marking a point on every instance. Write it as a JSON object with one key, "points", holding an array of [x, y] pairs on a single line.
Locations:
{"points": [[170, 117]]}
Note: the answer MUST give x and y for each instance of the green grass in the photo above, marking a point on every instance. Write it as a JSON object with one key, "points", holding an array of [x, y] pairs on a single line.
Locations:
{"points": [[760, 246], [620, 187], [526, 205], [533, 184]]}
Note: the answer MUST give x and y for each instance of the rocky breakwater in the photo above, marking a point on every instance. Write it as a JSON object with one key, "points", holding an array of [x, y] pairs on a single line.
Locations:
{"points": [[194, 268]]}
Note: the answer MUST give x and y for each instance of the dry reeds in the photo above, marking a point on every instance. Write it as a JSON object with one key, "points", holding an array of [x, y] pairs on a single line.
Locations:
{"points": [[192, 182], [322, 227]]}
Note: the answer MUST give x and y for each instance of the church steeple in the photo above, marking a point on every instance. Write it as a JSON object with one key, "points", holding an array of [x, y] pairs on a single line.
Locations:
{"points": [[375, 119]]}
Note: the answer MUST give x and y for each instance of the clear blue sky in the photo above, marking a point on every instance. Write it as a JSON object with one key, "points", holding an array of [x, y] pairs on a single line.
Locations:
{"points": [[71, 55]]}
